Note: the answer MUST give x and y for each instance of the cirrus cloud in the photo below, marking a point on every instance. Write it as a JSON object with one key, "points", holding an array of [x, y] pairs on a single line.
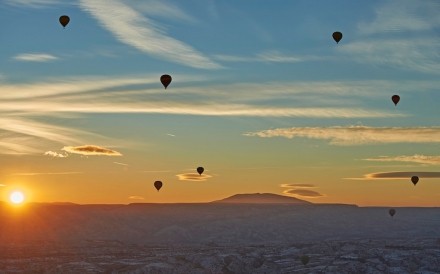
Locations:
{"points": [[398, 175], [35, 57], [356, 135], [420, 159]]}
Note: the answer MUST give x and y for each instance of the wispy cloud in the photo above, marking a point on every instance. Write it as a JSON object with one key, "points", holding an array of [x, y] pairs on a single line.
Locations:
{"points": [[46, 173], [161, 8], [193, 177], [91, 150], [121, 164], [398, 175], [403, 15], [272, 56], [32, 3], [356, 135], [56, 154], [35, 57], [136, 198], [143, 33], [420, 159], [2, 185], [401, 35]]}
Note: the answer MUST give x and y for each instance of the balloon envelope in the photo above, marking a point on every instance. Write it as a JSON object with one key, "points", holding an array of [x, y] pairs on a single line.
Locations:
{"points": [[337, 36], [395, 99], [200, 170], [392, 212], [158, 185], [165, 80], [414, 179], [64, 20]]}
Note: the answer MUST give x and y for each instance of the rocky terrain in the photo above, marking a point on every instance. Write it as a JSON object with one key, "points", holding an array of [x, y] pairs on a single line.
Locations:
{"points": [[221, 237]]}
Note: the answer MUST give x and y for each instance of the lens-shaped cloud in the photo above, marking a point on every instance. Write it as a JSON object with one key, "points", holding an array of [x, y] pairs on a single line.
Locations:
{"points": [[304, 193], [402, 175], [136, 198], [357, 135], [301, 190], [91, 150], [193, 177]]}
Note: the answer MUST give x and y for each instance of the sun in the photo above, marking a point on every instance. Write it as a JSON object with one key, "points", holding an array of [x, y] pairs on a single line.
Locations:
{"points": [[16, 197]]}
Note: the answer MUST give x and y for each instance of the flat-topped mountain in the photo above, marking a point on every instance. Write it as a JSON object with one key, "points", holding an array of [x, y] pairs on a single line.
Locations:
{"points": [[261, 198]]}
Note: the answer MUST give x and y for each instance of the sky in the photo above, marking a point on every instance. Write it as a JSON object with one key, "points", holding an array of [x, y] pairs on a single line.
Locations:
{"points": [[261, 96]]}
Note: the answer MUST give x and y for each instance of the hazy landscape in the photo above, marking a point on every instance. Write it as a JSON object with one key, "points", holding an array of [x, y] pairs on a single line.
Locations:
{"points": [[258, 233]]}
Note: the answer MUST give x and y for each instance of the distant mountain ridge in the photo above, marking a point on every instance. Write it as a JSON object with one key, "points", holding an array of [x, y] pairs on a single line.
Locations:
{"points": [[262, 198]]}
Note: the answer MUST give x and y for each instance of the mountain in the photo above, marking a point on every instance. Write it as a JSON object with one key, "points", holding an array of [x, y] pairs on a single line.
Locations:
{"points": [[262, 198]]}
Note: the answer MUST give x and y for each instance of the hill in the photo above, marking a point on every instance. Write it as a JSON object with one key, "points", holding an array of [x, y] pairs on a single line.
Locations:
{"points": [[261, 198]]}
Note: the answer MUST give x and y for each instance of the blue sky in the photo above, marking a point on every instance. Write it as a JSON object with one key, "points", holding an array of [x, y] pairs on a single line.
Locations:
{"points": [[261, 88]]}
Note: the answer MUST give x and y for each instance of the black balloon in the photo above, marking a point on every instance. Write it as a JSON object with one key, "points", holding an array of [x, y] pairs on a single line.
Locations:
{"points": [[392, 211], [337, 36], [158, 185], [64, 20], [165, 80], [395, 99], [414, 180], [200, 170]]}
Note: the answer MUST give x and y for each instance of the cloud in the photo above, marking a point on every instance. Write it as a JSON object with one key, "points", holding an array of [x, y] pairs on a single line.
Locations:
{"points": [[398, 175], [171, 135], [420, 159], [46, 173], [2, 185], [136, 198], [272, 56], [35, 57], [91, 150], [56, 154], [121, 164], [304, 193], [161, 9], [193, 177], [136, 30], [301, 190], [298, 185], [32, 3], [403, 15], [357, 135]]}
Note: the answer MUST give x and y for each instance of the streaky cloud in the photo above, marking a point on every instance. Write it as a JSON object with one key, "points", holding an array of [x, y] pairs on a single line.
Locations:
{"points": [[46, 173], [298, 185], [35, 57], [91, 150], [419, 159], [356, 135], [136, 198], [132, 28], [56, 154]]}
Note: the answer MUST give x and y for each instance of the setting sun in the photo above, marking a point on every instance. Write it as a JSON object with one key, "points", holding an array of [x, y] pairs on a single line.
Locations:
{"points": [[16, 197]]}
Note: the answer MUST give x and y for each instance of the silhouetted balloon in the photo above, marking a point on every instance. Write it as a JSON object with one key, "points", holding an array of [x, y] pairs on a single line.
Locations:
{"points": [[337, 36], [414, 179], [396, 99], [64, 20], [158, 185], [392, 212], [304, 259], [165, 80], [200, 170]]}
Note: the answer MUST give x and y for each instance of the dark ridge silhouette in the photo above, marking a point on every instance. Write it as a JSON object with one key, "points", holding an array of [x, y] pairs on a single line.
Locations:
{"points": [[262, 198]]}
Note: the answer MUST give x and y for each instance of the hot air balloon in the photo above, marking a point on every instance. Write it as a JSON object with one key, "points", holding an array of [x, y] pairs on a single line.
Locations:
{"points": [[200, 170], [414, 179], [64, 20], [395, 99], [304, 259], [337, 36], [158, 185], [392, 211], [165, 80]]}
